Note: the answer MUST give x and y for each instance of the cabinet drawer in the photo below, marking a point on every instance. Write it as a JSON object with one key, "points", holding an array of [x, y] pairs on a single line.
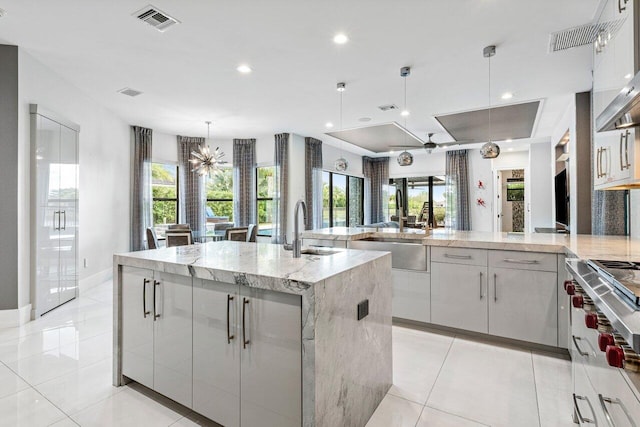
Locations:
{"points": [[459, 255], [524, 260]]}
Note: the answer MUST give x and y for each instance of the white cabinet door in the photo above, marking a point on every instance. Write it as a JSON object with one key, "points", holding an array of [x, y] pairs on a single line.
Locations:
{"points": [[523, 305], [411, 295], [216, 351], [271, 358], [137, 325], [459, 296], [173, 346]]}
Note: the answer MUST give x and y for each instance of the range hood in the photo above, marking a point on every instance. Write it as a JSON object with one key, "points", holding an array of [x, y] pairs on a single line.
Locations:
{"points": [[624, 110]]}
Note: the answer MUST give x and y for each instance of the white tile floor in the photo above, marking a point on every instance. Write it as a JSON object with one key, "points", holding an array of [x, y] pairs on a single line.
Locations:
{"points": [[56, 371]]}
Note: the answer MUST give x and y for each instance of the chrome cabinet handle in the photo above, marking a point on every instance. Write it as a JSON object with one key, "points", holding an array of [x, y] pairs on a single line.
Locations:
{"points": [[155, 285], [64, 215], [495, 287], [457, 256], [626, 150], [229, 336], [599, 162], [577, 408], [622, 165], [521, 261], [245, 341], [621, 8], [575, 343], [54, 220], [144, 297], [481, 296], [614, 401]]}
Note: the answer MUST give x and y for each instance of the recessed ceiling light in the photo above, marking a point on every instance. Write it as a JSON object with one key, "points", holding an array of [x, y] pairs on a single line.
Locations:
{"points": [[405, 113], [627, 76], [508, 140], [340, 87], [244, 69], [328, 125], [509, 149], [507, 95], [340, 38]]}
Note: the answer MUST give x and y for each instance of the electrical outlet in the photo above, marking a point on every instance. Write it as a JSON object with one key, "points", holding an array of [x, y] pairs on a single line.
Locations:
{"points": [[363, 309]]}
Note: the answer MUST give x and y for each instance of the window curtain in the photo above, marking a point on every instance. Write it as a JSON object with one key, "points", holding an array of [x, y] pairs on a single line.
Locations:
{"points": [[609, 212], [457, 187], [192, 199], [376, 174], [281, 197], [313, 182], [244, 182], [141, 200]]}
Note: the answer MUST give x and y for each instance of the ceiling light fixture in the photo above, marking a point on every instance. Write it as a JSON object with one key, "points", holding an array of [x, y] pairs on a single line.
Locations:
{"points": [[341, 164], [405, 158], [507, 95], [204, 161], [244, 69], [340, 38], [628, 76], [328, 125], [489, 150]]}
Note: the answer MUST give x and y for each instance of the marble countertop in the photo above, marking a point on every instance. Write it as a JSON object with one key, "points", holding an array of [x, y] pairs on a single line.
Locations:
{"points": [[260, 265], [581, 245], [359, 233]]}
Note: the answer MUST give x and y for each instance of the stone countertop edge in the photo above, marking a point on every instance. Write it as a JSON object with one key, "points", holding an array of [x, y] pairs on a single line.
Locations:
{"points": [[280, 273]]}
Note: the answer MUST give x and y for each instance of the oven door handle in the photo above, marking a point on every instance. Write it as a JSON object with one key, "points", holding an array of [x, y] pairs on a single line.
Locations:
{"points": [[577, 408], [575, 343], [614, 401]]}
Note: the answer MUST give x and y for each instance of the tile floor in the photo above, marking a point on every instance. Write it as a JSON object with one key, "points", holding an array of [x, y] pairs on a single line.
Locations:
{"points": [[56, 371]]}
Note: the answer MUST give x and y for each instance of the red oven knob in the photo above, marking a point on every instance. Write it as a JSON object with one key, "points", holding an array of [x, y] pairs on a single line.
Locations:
{"points": [[577, 301], [571, 289], [567, 282], [615, 356], [605, 340], [591, 320]]}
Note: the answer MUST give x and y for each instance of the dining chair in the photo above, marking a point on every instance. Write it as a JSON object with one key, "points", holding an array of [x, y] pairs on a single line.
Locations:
{"points": [[252, 232], [236, 234], [152, 239], [178, 238], [182, 227]]}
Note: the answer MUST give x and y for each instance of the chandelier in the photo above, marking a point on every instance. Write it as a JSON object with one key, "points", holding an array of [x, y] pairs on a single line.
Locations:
{"points": [[205, 161]]}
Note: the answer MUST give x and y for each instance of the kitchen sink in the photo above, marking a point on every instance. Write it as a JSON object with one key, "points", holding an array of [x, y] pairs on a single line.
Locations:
{"points": [[406, 254], [318, 251]]}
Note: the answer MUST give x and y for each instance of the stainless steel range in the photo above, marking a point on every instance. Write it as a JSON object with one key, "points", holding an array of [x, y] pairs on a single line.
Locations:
{"points": [[605, 341]]}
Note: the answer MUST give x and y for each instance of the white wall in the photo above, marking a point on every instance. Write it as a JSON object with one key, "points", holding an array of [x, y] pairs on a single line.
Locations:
{"points": [[296, 179], [330, 154], [541, 185], [423, 165], [104, 169], [480, 170], [567, 122]]}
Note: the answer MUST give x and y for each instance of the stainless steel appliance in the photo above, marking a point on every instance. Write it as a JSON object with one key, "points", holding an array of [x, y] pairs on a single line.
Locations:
{"points": [[605, 342]]}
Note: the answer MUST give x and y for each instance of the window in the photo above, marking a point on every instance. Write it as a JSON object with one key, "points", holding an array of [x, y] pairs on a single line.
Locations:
{"points": [[425, 199], [266, 188], [219, 189], [342, 200], [164, 190]]}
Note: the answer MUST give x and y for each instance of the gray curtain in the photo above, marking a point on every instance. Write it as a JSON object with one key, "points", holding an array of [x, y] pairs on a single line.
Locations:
{"points": [[281, 198], [141, 199], [244, 182], [191, 192], [313, 182], [376, 174], [457, 184], [609, 212]]}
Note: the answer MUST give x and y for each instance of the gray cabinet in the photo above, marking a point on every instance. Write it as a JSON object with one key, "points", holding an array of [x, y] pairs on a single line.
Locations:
{"points": [[157, 331], [54, 146], [523, 305], [459, 296], [247, 355], [411, 295]]}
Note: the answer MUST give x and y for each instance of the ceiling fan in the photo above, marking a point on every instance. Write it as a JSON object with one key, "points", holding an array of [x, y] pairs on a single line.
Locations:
{"points": [[430, 145]]}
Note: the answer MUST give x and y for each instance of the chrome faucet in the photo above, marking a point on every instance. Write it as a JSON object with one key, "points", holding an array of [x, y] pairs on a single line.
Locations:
{"points": [[400, 208], [296, 246]]}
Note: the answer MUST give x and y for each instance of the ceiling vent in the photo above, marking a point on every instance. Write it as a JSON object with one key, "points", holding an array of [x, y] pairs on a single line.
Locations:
{"points": [[130, 92], [156, 18], [582, 35], [388, 107]]}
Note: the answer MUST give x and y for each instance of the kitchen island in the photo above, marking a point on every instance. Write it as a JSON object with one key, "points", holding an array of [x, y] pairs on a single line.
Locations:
{"points": [[507, 285], [245, 334]]}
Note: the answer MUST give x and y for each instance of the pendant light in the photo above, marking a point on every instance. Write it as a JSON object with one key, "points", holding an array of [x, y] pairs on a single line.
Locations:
{"points": [[405, 158], [489, 150], [204, 161], [341, 164]]}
